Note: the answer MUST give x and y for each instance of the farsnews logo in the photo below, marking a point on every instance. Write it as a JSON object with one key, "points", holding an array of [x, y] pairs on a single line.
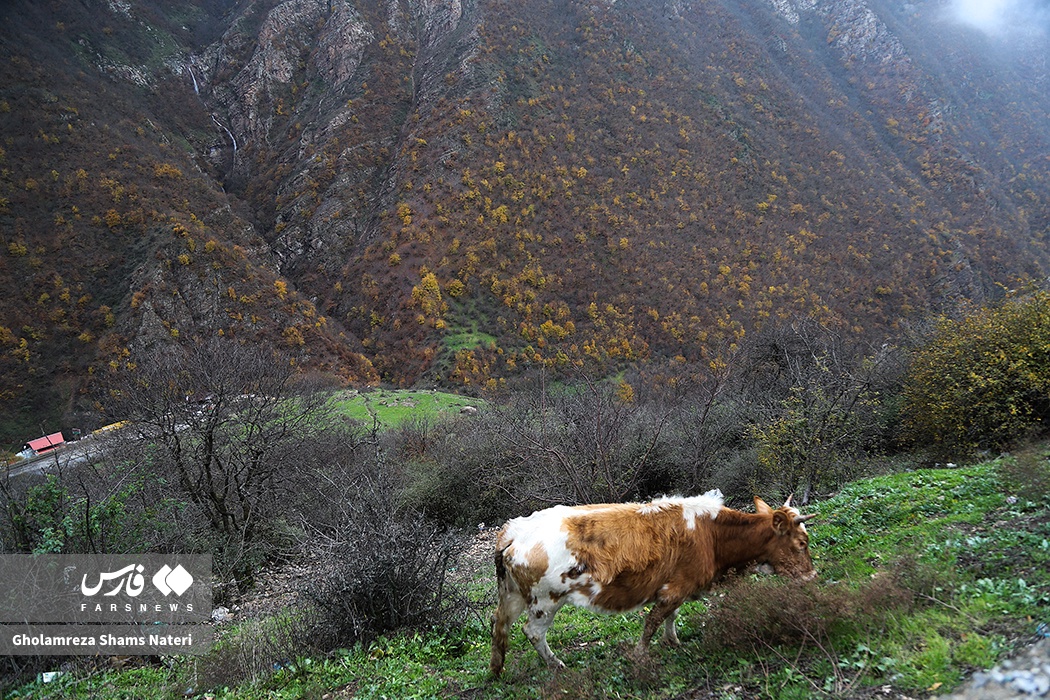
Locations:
{"points": [[168, 588], [169, 580], [131, 580]]}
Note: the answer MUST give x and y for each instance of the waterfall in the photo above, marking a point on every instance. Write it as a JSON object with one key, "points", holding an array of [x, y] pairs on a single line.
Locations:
{"points": [[228, 133], [196, 88]]}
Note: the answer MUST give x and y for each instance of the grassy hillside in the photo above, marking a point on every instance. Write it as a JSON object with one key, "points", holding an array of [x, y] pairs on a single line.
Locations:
{"points": [[392, 407], [925, 576]]}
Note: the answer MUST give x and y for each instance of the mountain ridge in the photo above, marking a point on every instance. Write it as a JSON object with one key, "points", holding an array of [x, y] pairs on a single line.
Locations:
{"points": [[454, 192]]}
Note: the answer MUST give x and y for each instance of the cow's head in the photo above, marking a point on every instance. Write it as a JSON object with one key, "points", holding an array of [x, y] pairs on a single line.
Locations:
{"points": [[788, 551]]}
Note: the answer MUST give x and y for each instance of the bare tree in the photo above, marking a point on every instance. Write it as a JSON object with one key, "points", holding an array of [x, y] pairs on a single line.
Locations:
{"points": [[586, 442], [819, 403], [234, 428], [709, 423]]}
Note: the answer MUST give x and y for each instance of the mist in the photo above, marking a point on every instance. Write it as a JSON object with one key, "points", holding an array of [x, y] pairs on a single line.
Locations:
{"points": [[1002, 17]]}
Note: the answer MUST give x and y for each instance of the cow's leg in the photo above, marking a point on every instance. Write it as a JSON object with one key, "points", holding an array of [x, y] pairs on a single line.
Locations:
{"points": [[670, 632], [663, 610], [511, 603], [540, 616]]}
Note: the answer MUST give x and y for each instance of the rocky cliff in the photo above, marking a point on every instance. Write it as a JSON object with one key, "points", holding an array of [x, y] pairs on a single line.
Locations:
{"points": [[459, 191]]}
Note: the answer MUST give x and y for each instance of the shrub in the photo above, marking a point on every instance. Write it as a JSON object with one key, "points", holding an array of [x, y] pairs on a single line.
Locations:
{"points": [[982, 382], [571, 443], [83, 509], [818, 406], [455, 470], [582, 443], [827, 624], [385, 572], [768, 612], [258, 647]]}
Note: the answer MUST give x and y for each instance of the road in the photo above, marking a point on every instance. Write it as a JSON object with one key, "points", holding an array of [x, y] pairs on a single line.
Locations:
{"points": [[70, 454]]}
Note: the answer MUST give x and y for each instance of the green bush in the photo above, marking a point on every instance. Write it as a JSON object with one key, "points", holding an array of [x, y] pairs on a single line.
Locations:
{"points": [[982, 382]]}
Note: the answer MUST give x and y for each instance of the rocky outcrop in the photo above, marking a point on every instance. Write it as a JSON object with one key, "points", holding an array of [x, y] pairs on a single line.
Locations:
{"points": [[439, 17], [858, 31], [790, 9], [853, 26], [286, 45], [341, 45], [283, 89]]}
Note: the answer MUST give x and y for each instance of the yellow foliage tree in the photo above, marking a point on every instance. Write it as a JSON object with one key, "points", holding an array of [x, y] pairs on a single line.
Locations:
{"points": [[983, 381]]}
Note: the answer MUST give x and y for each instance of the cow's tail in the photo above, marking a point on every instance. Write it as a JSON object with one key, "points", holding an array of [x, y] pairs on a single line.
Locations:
{"points": [[508, 608], [501, 566]]}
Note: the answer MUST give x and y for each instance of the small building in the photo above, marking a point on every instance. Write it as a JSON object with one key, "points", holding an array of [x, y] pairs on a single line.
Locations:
{"points": [[43, 445]]}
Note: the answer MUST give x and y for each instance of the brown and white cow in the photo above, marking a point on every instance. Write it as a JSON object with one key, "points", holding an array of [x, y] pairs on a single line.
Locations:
{"points": [[621, 556]]}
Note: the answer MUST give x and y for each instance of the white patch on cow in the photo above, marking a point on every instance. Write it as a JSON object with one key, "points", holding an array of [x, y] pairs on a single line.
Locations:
{"points": [[579, 591], [545, 527], [542, 527], [658, 505], [693, 507], [796, 512], [706, 506]]}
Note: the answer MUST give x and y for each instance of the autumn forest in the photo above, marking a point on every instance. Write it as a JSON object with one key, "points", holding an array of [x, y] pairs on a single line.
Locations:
{"points": [[459, 193]]}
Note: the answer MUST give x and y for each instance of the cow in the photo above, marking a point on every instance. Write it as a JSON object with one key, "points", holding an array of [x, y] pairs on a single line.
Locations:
{"points": [[617, 557]]}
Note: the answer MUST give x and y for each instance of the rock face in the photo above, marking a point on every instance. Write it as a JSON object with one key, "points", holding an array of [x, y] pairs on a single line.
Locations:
{"points": [[328, 37], [294, 96], [790, 9], [861, 32], [462, 189]]}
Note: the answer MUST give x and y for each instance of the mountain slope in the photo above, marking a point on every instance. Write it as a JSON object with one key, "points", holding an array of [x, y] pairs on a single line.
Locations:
{"points": [[116, 231], [461, 190]]}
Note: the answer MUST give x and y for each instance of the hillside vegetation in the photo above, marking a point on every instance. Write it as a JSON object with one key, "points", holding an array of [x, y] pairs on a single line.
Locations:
{"points": [[925, 576], [358, 552], [462, 193]]}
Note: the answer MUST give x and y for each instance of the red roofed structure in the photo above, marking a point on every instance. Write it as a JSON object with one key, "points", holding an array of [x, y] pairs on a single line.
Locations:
{"points": [[45, 444]]}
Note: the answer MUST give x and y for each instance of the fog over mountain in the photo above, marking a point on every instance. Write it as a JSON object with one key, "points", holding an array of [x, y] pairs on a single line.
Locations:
{"points": [[454, 193], [1001, 18]]}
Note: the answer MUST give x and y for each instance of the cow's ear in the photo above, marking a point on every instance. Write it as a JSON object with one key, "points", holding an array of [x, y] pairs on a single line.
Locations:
{"points": [[781, 522], [761, 507]]}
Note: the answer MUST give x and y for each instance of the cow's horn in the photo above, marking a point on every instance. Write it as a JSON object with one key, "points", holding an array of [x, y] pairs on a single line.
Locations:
{"points": [[799, 519], [787, 503]]}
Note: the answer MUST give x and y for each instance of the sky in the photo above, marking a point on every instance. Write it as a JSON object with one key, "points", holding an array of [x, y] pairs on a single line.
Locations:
{"points": [[1001, 17]]}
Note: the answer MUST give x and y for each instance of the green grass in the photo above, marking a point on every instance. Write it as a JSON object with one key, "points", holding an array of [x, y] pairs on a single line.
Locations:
{"points": [[463, 331], [468, 340], [392, 407], [971, 551]]}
